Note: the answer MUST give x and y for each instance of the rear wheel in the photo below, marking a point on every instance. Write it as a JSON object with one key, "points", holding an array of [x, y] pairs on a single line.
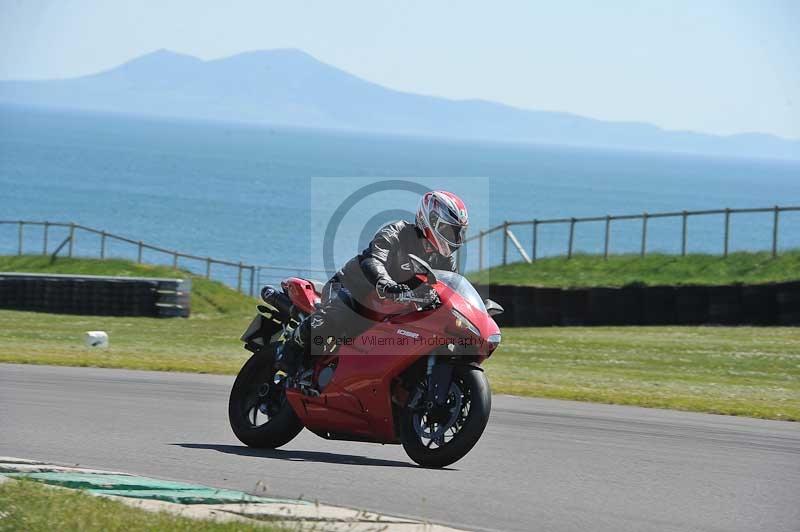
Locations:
{"points": [[259, 413], [437, 437]]}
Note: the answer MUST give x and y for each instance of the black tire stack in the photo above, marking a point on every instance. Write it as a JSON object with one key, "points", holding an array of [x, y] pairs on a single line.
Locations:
{"points": [[659, 305], [788, 303], [547, 307], [615, 306], [96, 295], [575, 306], [724, 304], [759, 304]]}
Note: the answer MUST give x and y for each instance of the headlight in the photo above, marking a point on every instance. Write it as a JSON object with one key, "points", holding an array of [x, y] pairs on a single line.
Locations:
{"points": [[463, 323]]}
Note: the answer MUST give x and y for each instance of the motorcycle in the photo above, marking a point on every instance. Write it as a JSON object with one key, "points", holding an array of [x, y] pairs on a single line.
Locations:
{"points": [[414, 377]]}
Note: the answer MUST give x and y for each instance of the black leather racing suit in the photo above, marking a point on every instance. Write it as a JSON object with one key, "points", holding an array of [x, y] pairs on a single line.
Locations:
{"points": [[384, 262]]}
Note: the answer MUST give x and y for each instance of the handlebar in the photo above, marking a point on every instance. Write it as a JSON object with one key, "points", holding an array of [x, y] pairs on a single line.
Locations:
{"points": [[431, 298]]}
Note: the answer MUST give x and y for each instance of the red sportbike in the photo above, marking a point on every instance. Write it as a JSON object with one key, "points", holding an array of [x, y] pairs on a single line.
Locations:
{"points": [[414, 377]]}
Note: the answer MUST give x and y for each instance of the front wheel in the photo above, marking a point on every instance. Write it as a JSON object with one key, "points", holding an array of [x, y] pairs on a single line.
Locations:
{"points": [[438, 437], [259, 413]]}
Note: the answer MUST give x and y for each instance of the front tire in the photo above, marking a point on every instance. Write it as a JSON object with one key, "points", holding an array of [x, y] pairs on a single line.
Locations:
{"points": [[441, 444], [259, 413]]}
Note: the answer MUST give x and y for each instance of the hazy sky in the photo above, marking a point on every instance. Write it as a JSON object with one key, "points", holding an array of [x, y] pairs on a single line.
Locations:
{"points": [[723, 66]]}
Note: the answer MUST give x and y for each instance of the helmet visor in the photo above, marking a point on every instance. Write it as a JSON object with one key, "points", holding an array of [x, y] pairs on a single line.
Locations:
{"points": [[453, 234]]}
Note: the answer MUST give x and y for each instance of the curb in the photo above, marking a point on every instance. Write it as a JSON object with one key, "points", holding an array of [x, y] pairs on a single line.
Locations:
{"points": [[203, 502]]}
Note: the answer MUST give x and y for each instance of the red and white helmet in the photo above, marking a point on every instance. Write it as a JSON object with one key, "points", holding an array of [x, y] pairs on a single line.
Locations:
{"points": [[442, 218]]}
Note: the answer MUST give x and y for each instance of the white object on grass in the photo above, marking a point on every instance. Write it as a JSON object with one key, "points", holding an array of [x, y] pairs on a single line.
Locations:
{"points": [[96, 339]]}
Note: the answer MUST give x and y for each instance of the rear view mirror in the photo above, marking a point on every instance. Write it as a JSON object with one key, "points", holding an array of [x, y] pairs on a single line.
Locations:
{"points": [[492, 308]]}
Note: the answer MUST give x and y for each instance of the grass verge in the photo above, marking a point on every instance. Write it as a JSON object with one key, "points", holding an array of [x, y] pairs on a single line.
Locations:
{"points": [[207, 342], [31, 507], [748, 371], [654, 269]]}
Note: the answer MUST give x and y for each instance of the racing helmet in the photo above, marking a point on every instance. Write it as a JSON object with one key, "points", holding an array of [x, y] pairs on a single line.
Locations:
{"points": [[442, 218]]}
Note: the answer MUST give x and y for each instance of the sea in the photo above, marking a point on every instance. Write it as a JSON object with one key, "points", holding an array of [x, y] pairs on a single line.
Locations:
{"points": [[310, 199]]}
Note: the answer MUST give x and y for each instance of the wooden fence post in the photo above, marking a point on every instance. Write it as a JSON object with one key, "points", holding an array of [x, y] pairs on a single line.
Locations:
{"points": [[19, 248], [208, 267], [71, 237], [139, 257], [174, 260], [46, 231], [683, 234], [252, 276], [571, 237], [644, 234], [239, 281], [535, 238], [608, 236], [727, 231], [775, 231], [102, 244], [505, 243]]}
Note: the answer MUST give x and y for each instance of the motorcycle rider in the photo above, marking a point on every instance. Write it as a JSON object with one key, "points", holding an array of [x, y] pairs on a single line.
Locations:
{"points": [[384, 266]]}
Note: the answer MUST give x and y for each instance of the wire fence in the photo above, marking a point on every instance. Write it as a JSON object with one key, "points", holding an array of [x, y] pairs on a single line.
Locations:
{"points": [[511, 241], [246, 278]]}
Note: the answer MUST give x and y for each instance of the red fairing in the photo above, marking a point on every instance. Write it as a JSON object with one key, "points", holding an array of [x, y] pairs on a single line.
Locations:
{"points": [[302, 293], [485, 324], [358, 399]]}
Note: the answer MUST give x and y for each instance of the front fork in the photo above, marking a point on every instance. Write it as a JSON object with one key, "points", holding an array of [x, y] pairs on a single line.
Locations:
{"points": [[439, 377]]}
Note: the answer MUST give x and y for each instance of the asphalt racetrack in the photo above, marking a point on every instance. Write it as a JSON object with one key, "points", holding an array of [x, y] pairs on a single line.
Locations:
{"points": [[541, 465]]}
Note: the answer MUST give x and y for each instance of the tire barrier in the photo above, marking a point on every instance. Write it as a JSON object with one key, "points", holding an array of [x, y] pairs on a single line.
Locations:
{"points": [[691, 305], [546, 307], [659, 305], [615, 306], [523, 303], [788, 303], [760, 304], [602, 306], [575, 307], [95, 295], [724, 304]]}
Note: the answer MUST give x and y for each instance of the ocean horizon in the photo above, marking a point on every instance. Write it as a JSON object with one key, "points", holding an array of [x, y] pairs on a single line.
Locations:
{"points": [[267, 194]]}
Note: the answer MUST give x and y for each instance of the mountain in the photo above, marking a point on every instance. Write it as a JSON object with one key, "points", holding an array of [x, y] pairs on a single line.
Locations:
{"points": [[289, 87]]}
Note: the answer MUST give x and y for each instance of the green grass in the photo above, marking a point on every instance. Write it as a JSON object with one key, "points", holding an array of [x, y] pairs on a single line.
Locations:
{"points": [[200, 344], [653, 269], [207, 342], [30, 507], [750, 371]]}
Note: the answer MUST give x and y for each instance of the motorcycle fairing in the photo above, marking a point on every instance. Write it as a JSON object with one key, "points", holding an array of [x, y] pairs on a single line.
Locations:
{"points": [[358, 399], [357, 402]]}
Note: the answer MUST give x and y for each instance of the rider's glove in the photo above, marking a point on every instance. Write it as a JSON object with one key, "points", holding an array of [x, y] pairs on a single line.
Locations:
{"points": [[429, 296], [395, 292]]}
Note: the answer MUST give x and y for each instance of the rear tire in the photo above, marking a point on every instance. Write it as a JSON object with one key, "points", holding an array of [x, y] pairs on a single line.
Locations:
{"points": [[473, 386], [246, 403]]}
